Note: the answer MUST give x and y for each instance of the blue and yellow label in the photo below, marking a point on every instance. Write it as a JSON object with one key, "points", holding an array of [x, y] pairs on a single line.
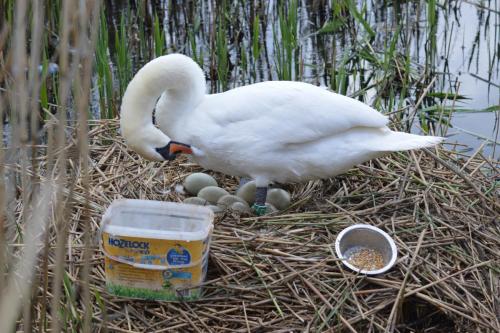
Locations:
{"points": [[174, 268]]}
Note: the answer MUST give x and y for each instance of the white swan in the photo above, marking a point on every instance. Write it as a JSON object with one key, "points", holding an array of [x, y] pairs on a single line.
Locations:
{"points": [[275, 131]]}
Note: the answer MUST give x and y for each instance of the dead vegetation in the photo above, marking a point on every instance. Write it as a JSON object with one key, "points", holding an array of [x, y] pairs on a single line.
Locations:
{"points": [[279, 272]]}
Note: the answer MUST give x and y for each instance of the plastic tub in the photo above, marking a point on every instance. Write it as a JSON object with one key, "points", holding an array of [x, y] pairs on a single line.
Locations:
{"points": [[156, 250]]}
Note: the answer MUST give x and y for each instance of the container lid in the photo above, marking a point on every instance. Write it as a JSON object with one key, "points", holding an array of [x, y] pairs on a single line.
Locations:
{"points": [[157, 219]]}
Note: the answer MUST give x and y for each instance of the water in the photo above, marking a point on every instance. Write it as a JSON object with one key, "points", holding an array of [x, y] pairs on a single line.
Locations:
{"points": [[450, 48], [470, 60]]}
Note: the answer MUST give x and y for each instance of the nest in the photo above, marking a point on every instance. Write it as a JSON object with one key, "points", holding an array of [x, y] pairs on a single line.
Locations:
{"points": [[280, 273]]}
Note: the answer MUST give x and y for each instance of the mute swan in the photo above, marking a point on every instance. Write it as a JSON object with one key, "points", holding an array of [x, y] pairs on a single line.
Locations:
{"points": [[276, 131]]}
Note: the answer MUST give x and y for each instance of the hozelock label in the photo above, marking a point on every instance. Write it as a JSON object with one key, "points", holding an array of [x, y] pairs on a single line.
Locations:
{"points": [[122, 278], [154, 251], [124, 243]]}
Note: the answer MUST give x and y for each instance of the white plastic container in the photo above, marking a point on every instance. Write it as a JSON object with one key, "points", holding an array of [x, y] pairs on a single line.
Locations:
{"points": [[156, 250]]}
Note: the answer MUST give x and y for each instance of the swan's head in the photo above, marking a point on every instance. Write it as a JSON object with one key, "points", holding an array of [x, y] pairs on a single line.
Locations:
{"points": [[166, 73], [153, 144]]}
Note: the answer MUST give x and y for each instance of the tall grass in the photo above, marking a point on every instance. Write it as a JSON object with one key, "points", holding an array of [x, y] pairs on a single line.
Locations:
{"points": [[123, 58], [285, 41], [159, 37], [104, 72], [220, 53], [42, 208]]}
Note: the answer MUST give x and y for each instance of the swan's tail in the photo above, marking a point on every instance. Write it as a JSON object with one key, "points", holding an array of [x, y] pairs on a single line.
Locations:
{"points": [[395, 141]]}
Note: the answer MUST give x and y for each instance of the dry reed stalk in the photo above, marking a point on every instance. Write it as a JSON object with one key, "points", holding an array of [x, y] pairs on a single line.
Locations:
{"points": [[59, 161], [20, 279], [27, 201], [88, 20]]}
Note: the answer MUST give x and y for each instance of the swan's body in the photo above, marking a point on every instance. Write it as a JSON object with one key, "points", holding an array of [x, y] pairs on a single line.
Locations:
{"points": [[275, 131]]}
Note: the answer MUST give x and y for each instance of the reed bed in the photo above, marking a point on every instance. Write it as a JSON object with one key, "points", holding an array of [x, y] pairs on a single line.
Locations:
{"points": [[279, 273]]}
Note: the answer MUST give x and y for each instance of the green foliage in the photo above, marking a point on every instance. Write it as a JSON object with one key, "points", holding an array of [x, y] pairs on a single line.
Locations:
{"points": [[285, 42], [333, 26], [70, 316], [104, 74], [444, 95], [159, 37], [358, 16], [123, 60], [142, 293], [222, 58], [255, 37]]}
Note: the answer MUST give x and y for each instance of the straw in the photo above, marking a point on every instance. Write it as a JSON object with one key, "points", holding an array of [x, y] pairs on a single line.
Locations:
{"points": [[279, 272]]}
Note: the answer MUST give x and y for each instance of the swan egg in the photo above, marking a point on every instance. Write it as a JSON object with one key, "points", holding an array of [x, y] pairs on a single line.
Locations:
{"points": [[270, 208], [196, 181], [195, 201], [279, 198], [240, 207], [247, 192], [228, 200], [212, 194], [215, 209]]}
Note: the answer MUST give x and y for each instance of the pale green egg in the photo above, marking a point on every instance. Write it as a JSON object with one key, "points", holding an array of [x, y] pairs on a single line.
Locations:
{"points": [[212, 194], [215, 209], [279, 198], [195, 201], [240, 207], [228, 200], [247, 192], [270, 208], [197, 181]]}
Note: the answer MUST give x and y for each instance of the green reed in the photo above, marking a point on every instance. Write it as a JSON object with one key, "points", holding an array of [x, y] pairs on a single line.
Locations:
{"points": [[104, 73], [256, 48], [285, 42], [142, 51], [123, 59], [70, 316], [221, 54], [158, 36], [431, 46], [44, 94], [359, 16]]}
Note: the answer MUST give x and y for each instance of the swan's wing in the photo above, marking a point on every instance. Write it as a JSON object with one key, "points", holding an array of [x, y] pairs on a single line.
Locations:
{"points": [[283, 112]]}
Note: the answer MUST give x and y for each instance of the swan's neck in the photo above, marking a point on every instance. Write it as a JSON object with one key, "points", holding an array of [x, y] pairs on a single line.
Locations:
{"points": [[173, 106], [178, 76]]}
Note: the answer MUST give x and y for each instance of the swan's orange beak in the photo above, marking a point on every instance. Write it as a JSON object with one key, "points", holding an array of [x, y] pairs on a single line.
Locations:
{"points": [[172, 149], [179, 148]]}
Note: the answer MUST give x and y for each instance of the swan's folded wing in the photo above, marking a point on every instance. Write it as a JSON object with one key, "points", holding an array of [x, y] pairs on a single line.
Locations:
{"points": [[282, 113]]}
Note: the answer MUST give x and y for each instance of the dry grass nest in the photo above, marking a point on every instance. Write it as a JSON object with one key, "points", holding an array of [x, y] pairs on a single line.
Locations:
{"points": [[279, 272]]}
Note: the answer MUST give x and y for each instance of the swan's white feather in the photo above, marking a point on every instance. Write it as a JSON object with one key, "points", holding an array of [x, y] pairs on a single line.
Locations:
{"points": [[271, 131], [283, 112]]}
